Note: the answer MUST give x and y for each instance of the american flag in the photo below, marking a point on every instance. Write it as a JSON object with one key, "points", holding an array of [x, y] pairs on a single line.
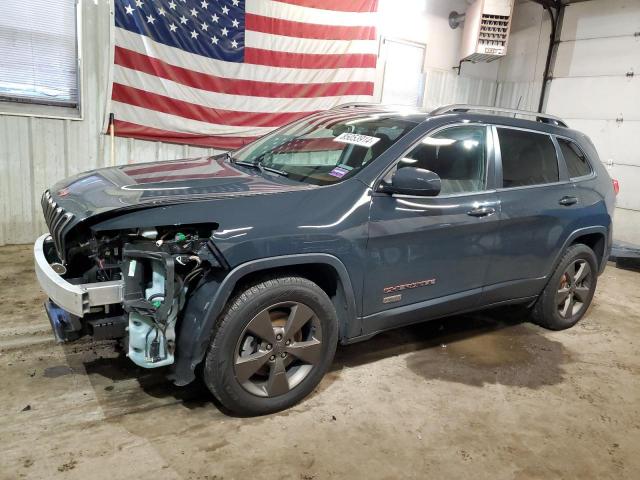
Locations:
{"points": [[220, 73]]}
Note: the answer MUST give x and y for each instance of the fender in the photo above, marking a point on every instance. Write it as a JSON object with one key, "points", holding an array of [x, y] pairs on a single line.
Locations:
{"points": [[585, 231], [210, 297]]}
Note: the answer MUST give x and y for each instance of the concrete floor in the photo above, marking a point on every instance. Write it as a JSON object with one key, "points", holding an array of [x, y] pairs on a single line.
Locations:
{"points": [[481, 396]]}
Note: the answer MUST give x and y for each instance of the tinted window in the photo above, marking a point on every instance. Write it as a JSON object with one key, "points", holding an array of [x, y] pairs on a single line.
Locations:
{"points": [[456, 154], [576, 161], [527, 158]]}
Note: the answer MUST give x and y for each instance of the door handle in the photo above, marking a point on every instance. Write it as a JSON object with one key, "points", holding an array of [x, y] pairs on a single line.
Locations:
{"points": [[567, 201], [481, 212]]}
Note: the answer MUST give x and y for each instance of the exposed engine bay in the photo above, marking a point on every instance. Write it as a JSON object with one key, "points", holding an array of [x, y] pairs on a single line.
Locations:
{"points": [[158, 268]]}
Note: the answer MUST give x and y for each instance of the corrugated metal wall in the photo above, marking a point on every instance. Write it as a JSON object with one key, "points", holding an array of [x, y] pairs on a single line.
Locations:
{"points": [[520, 95], [36, 152], [445, 87]]}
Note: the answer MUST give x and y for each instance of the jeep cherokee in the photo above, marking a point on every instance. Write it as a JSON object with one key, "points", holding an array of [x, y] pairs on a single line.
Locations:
{"points": [[253, 265]]}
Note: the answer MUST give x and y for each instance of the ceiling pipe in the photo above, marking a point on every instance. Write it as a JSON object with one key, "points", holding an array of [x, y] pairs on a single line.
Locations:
{"points": [[554, 39]]}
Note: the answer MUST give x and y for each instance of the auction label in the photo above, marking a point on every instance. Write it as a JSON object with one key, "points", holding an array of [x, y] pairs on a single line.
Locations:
{"points": [[357, 139]]}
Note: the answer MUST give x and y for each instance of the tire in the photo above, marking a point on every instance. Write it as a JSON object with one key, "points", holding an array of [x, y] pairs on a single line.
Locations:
{"points": [[567, 296], [284, 325]]}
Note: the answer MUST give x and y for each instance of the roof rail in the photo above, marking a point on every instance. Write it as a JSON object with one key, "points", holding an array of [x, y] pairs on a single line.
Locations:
{"points": [[379, 107], [357, 104], [540, 117]]}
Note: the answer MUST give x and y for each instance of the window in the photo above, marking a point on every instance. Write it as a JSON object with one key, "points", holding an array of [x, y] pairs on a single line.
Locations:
{"points": [[403, 81], [38, 52], [456, 154], [576, 161], [528, 158], [322, 150]]}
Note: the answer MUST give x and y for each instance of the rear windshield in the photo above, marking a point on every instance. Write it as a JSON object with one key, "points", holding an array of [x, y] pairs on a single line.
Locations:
{"points": [[326, 149]]}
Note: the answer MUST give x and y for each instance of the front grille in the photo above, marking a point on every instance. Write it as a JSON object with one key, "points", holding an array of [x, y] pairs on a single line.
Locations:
{"points": [[57, 219]]}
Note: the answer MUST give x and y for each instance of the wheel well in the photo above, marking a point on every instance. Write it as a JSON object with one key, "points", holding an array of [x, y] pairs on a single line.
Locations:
{"points": [[323, 275], [596, 242]]}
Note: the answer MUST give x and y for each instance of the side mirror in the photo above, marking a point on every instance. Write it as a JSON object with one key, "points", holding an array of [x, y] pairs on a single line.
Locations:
{"points": [[414, 181]]}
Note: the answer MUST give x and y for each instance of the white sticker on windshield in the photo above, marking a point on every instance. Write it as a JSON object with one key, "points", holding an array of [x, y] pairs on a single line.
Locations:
{"points": [[357, 139]]}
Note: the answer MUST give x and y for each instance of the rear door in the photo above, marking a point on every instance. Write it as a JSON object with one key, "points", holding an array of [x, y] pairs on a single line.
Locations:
{"points": [[538, 207]]}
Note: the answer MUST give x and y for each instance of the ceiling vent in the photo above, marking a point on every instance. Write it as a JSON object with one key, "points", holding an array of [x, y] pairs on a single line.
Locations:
{"points": [[486, 30]]}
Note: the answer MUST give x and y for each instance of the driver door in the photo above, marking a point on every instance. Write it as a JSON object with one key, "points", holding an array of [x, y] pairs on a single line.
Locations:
{"points": [[428, 256]]}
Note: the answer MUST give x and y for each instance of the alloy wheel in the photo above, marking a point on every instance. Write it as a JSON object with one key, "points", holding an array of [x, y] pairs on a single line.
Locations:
{"points": [[278, 349], [574, 289]]}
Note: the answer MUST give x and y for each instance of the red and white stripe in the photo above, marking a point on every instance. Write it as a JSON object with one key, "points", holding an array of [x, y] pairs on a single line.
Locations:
{"points": [[301, 56]]}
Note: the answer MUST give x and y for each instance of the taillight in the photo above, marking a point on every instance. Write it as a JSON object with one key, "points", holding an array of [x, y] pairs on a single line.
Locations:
{"points": [[616, 186]]}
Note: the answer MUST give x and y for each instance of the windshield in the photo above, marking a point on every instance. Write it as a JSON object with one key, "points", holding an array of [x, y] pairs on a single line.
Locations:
{"points": [[327, 148]]}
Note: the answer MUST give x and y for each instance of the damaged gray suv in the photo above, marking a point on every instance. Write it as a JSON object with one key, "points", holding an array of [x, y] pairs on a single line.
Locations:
{"points": [[249, 268]]}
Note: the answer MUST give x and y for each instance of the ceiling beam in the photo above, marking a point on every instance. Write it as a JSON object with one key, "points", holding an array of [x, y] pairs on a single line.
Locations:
{"points": [[549, 3]]}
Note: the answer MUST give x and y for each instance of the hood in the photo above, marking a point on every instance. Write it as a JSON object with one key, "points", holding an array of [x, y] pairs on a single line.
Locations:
{"points": [[98, 191]]}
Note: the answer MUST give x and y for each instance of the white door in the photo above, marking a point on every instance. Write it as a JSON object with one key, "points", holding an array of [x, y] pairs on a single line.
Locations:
{"points": [[403, 82]]}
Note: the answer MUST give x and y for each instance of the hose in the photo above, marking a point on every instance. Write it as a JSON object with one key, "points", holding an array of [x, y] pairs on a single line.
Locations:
{"points": [[192, 274]]}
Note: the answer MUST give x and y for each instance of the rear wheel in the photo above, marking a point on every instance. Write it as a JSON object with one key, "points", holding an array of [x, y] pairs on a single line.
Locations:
{"points": [[567, 296], [272, 346]]}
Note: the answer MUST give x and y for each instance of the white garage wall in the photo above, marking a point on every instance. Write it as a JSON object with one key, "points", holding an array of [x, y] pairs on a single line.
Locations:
{"points": [[36, 152], [592, 90], [590, 87], [426, 22], [520, 72]]}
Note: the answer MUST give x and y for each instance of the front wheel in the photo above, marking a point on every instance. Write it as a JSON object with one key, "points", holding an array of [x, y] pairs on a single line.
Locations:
{"points": [[272, 346], [567, 296]]}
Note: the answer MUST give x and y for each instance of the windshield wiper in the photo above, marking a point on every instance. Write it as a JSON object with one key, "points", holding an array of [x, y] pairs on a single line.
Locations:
{"points": [[246, 164], [272, 170], [259, 165]]}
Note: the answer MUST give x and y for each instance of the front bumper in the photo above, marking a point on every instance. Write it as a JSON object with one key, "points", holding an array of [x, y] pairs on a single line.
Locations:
{"points": [[76, 299]]}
